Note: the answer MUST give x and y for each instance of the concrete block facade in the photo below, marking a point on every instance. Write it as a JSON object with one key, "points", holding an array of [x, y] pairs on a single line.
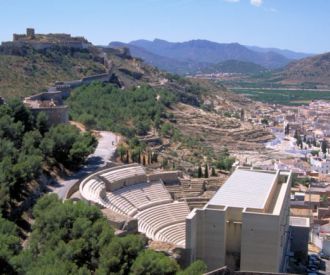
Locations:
{"points": [[243, 238]]}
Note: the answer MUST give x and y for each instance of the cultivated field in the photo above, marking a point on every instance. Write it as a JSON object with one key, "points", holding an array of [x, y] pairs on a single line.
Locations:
{"points": [[284, 96]]}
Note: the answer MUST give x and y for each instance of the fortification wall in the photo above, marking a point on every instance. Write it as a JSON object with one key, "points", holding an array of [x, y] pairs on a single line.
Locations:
{"points": [[51, 95], [37, 45], [17, 37], [99, 77], [67, 86], [56, 115]]}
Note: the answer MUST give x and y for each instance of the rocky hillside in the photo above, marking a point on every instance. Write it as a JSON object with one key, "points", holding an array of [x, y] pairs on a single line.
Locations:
{"points": [[25, 71]]}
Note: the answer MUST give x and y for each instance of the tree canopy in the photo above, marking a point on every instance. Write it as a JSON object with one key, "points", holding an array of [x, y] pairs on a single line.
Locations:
{"points": [[27, 144], [75, 238], [129, 111]]}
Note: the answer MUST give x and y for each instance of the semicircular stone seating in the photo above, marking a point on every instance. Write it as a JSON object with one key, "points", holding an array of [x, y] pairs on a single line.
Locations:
{"points": [[159, 217]]}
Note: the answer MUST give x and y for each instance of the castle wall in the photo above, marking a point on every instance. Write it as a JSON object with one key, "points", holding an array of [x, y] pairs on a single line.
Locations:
{"points": [[53, 95], [56, 115]]}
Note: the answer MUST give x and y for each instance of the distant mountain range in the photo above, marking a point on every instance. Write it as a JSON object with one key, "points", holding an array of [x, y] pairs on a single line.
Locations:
{"points": [[286, 53], [196, 56]]}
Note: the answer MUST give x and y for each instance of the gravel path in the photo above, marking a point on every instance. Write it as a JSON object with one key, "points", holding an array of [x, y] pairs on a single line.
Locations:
{"points": [[103, 153]]}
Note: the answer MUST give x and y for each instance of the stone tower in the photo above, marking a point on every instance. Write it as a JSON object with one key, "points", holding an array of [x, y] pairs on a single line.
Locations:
{"points": [[30, 32]]}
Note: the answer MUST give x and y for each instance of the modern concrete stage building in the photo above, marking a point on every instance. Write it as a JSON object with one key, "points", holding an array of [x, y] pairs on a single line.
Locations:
{"points": [[245, 225]]}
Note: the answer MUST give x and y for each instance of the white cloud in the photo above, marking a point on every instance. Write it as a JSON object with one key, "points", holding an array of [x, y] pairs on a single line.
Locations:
{"points": [[256, 3]]}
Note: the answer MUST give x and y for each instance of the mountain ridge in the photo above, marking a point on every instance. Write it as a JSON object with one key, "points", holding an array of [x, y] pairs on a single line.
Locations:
{"points": [[206, 51], [285, 52], [191, 57]]}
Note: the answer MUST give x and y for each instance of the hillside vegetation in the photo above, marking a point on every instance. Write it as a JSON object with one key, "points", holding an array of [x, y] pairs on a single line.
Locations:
{"points": [[129, 112], [235, 66], [28, 145], [75, 238], [28, 71]]}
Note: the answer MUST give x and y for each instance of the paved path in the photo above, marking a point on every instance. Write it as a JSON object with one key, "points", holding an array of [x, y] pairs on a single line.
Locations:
{"points": [[103, 153]]}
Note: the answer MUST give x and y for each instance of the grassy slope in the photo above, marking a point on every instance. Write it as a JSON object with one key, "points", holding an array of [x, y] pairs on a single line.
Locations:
{"points": [[26, 75]]}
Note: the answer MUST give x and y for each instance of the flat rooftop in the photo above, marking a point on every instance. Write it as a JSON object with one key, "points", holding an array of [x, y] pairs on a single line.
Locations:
{"points": [[245, 189], [299, 221]]}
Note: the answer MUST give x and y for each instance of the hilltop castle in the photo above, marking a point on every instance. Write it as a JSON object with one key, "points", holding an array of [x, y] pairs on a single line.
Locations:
{"points": [[44, 41]]}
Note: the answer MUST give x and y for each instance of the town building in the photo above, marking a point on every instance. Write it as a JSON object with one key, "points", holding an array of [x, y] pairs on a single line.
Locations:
{"points": [[320, 165], [245, 225]]}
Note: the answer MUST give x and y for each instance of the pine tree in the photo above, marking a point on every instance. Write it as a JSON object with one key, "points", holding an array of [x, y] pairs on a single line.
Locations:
{"points": [[154, 157], [287, 129], [127, 157], [324, 146], [139, 158], [213, 173], [295, 135], [144, 160], [242, 115], [199, 172], [206, 172]]}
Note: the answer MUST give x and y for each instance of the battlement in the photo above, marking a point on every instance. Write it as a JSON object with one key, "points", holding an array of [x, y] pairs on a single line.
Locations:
{"points": [[50, 103], [44, 41]]}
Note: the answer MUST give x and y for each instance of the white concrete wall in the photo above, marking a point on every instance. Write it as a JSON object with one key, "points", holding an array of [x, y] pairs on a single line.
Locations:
{"points": [[206, 236], [213, 238], [261, 241]]}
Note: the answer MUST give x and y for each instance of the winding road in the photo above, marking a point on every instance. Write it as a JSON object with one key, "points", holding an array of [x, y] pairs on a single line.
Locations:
{"points": [[105, 150]]}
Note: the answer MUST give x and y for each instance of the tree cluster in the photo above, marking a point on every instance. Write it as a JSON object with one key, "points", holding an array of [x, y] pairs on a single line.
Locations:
{"points": [[299, 140], [75, 238], [27, 144], [129, 112], [224, 160]]}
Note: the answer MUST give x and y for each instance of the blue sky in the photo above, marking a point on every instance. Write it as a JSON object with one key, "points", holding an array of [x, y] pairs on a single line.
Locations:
{"points": [[300, 25]]}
